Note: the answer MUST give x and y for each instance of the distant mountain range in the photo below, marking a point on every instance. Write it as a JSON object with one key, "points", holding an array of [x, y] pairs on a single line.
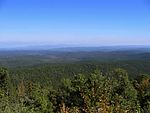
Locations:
{"points": [[69, 48], [33, 55]]}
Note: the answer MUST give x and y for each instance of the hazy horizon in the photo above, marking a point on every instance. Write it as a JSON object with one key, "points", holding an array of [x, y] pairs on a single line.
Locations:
{"points": [[74, 22], [72, 47]]}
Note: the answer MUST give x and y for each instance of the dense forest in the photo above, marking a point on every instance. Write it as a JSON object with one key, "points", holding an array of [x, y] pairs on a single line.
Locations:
{"points": [[113, 92], [110, 82]]}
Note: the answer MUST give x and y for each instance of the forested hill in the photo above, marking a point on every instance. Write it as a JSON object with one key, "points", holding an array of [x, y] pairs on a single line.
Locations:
{"points": [[20, 58], [76, 60], [99, 81], [96, 92]]}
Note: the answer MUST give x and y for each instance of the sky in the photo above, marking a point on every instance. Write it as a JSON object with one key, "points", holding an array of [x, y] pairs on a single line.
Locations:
{"points": [[74, 22]]}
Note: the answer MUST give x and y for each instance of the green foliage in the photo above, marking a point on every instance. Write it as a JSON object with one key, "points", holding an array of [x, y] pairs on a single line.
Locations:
{"points": [[95, 92], [142, 84], [4, 79]]}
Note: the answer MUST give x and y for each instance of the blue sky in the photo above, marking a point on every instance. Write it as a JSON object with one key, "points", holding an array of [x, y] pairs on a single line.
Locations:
{"points": [[75, 22]]}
